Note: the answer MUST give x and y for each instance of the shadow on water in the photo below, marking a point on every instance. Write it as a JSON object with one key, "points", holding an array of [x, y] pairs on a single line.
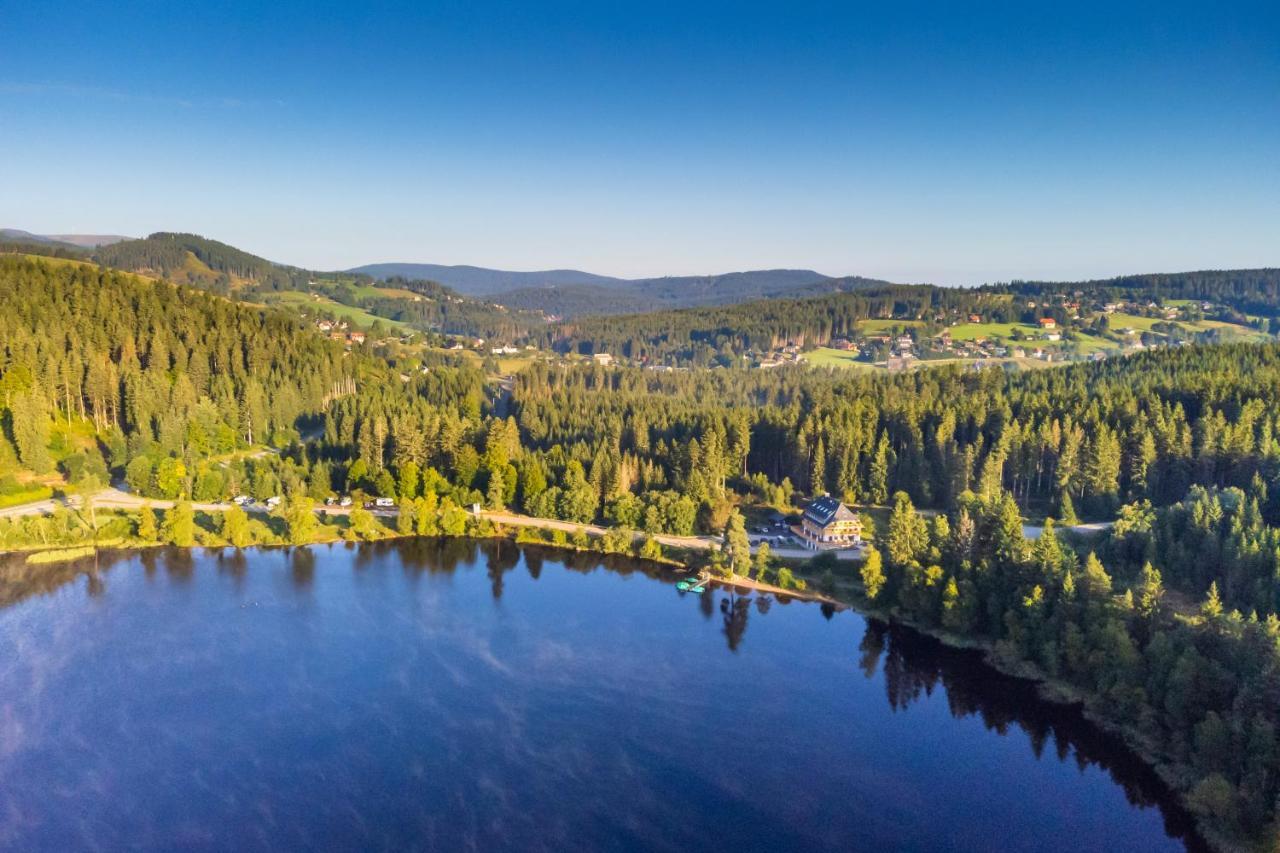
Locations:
{"points": [[914, 666]]}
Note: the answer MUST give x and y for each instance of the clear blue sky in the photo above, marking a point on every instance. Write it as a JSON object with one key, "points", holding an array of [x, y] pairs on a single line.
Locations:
{"points": [[915, 141]]}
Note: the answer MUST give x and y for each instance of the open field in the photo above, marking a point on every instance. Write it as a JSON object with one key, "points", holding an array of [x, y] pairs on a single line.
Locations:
{"points": [[828, 357], [357, 316]]}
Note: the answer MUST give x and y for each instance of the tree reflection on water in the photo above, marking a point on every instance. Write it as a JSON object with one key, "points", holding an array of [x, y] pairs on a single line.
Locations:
{"points": [[912, 666]]}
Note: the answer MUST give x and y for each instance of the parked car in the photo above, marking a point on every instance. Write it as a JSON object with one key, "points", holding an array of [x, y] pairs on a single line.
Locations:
{"points": [[346, 501], [384, 503], [242, 500]]}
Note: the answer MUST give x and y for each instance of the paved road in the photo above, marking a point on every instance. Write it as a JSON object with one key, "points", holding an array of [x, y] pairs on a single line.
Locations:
{"points": [[699, 543], [113, 498], [105, 499], [1092, 528]]}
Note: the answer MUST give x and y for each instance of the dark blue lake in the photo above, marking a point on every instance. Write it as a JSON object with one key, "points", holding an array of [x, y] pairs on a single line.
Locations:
{"points": [[455, 695]]}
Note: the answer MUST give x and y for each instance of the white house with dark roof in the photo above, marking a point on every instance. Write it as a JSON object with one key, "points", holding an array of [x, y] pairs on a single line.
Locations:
{"points": [[827, 523]]}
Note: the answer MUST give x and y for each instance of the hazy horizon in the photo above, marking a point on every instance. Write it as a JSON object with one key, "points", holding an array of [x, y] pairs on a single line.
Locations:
{"points": [[929, 144]]}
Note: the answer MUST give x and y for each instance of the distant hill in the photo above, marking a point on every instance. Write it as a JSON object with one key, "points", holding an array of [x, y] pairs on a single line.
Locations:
{"points": [[198, 261], [90, 241], [83, 241], [479, 281], [569, 292], [576, 300]]}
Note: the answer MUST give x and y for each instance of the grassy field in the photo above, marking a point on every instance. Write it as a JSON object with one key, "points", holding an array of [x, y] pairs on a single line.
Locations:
{"points": [[1088, 344], [1231, 330], [824, 357], [306, 301], [827, 357], [978, 331], [1120, 320], [1144, 324], [370, 291]]}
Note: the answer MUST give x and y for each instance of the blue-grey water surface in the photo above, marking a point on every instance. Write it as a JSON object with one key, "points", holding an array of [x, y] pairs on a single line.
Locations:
{"points": [[455, 695]]}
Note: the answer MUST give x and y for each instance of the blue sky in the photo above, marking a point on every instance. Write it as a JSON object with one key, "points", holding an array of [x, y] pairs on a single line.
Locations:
{"points": [[914, 141]]}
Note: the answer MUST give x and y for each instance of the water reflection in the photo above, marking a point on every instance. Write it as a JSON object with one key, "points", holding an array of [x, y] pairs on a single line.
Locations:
{"points": [[302, 568], [916, 666], [911, 668]]}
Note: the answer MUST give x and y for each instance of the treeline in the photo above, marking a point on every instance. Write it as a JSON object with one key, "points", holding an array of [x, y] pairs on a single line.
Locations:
{"points": [[1081, 440], [1248, 291], [720, 335]]}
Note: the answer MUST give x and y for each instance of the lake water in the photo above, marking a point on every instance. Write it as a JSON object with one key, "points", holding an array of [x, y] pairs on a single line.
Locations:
{"points": [[461, 695]]}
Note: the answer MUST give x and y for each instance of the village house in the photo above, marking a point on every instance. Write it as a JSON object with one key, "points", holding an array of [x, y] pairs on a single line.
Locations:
{"points": [[827, 523], [1048, 323]]}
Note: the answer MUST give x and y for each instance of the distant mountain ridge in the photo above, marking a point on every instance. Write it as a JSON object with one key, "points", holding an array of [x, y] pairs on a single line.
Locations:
{"points": [[484, 281], [481, 281], [83, 241], [570, 292]]}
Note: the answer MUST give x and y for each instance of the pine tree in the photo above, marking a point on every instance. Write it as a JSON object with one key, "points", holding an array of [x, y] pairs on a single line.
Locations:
{"points": [[908, 536], [1150, 592], [495, 495], [762, 562], [736, 545], [1211, 609]]}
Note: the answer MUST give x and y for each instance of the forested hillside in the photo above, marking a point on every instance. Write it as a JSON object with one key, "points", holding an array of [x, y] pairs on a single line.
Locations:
{"points": [[102, 370], [704, 335], [192, 259], [571, 293], [658, 294], [1248, 291], [223, 269], [429, 305]]}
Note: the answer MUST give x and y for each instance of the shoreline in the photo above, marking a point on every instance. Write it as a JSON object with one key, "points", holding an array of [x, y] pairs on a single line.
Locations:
{"points": [[1060, 693]]}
